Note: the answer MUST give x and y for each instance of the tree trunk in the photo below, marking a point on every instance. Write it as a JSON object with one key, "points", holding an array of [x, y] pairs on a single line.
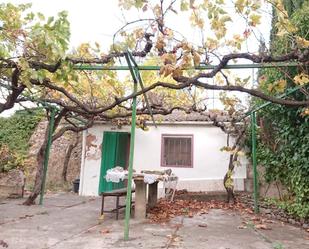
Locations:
{"points": [[39, 175], [228, 181], [67, 159]]}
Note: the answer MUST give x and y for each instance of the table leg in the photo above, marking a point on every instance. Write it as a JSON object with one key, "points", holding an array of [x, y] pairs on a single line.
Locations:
{"points": [[152, 194], [140, 200]]}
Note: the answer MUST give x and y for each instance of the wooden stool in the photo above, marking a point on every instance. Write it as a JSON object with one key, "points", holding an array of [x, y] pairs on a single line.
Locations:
{"points": [[116, 193]]}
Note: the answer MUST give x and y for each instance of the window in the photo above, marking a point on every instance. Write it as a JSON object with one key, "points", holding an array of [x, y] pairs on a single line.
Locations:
{"points": [[177, 151]]}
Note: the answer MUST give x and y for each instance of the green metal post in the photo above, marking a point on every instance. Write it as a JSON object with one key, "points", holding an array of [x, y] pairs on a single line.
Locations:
{"points": [[287, 93], [132, 139], [255, 176], [48, 146], [140, 80]]}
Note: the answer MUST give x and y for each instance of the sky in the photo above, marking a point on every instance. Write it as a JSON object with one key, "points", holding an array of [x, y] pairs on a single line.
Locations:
{"points": [[97, 20]]}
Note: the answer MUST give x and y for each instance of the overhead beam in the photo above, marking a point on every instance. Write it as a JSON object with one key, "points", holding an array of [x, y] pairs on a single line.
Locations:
{"points": [[201, 67]]}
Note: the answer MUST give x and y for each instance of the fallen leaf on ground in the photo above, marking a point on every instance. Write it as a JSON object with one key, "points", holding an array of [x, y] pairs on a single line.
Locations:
{"points": [[262, 226], [26, 216], [254, 218], [104, 231], [165, 210], [177, 226], [3, 244], [269, 221], [176, 238], [202, 225]]}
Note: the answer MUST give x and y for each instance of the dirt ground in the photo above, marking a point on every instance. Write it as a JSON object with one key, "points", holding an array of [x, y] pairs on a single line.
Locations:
{"points": [[70, 221]]}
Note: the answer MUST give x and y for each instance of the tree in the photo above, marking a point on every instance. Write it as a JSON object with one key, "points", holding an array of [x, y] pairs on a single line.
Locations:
{"points": [[36, 65], [41, 48], [67, 157]]}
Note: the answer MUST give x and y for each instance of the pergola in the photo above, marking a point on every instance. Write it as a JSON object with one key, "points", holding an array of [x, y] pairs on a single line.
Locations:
{"points": [[135, 69]]}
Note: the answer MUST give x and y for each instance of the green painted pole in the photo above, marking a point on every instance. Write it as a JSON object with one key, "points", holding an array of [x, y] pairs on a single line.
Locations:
{"points": [[47, 151], [200, 67], [132, 139], [255, 174], [140, 81], [287, 93]]}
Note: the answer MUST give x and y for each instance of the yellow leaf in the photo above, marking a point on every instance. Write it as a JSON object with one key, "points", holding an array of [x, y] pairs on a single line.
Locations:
{"points": [[168, 58], [301, 79], [277, 86], [196, 19], [184, 5], [301, 42], [255, 19], [239, 5], [305, 112], [211, 44], [160, 44], [241, 153], [196, 58], [177, 73], [280, 85]]}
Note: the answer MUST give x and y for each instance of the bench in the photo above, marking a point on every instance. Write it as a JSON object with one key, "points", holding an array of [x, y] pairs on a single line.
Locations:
{"points": [[115, 193]]}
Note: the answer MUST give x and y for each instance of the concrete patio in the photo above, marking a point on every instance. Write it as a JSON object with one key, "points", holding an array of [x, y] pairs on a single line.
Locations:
{"points": [[69, 221]]}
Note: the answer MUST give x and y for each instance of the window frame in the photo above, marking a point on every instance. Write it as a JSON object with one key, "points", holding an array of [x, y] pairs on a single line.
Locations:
{"points": [[177, 136]]}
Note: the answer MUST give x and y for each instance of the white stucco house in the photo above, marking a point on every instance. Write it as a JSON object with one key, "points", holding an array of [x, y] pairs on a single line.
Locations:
{"points": [[189, 144]]}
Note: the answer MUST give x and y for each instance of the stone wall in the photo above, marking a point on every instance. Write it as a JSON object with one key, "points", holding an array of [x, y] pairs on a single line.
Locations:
{"points": [[12, 184], [56, 159], [274, 189]]}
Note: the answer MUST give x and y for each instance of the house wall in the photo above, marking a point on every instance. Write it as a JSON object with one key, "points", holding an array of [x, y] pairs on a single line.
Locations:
{"points": [[209, 163]]}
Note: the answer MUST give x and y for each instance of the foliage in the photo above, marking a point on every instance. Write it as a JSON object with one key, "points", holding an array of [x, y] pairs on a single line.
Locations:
{"points": [[34, 52], [15, 132], [10, 159], [27, 36], [284, 154], [284, 132]]}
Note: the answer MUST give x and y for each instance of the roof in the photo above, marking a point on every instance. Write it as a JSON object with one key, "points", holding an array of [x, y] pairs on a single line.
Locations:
{"points": [[177, 116], [181, 116]]}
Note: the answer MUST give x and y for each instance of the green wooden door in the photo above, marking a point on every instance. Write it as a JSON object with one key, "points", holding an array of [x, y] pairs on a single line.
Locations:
{"points": [[114, 153]]}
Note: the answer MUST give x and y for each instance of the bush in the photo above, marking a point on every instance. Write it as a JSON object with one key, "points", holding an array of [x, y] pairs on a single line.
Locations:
{"points": [[15, 132], [10, 159]]}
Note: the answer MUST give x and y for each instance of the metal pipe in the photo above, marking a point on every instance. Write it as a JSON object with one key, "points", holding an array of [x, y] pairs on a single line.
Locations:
{"points": [[47, 151], [254, 162], [132, 139], [287, 93], [140, 80], [201, 67]]}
